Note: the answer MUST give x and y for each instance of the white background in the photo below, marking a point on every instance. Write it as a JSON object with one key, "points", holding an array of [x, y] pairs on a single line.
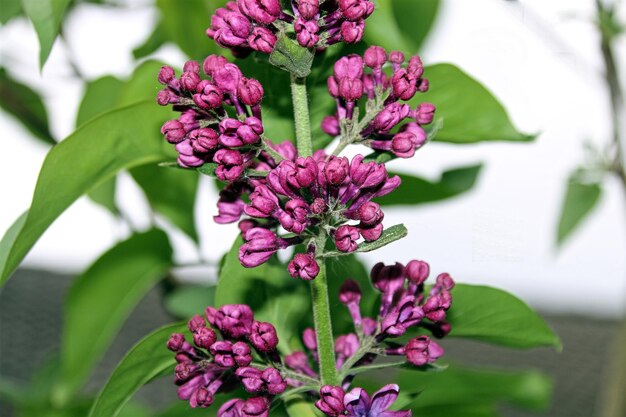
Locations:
{"points": [[541, 59]]}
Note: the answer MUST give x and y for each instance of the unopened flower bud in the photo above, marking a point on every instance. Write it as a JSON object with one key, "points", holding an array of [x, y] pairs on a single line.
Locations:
{"points": [[191, 66], [227, 77], [204, 337], [350, 66], [309, 338], [336, 170], [404, 85], [230, 164], [255, 407], [222, 351], [175, 342], [331, 400], [306, 32], [189, 81], [212, 63], [346, 238], [196, 323], [308, 9], [274, 382], [421, 351], [375, 57], [417, 271], [263, 337], [425, 113], [370, 213], [250, 91], [356, 9], [262, 11], [416, 67], [262, 40], [242, 353], [371, 233], [396, 57], [166, 75], [174, 131], [330, 125], [350, 292], [350, 89], [303, 266]]}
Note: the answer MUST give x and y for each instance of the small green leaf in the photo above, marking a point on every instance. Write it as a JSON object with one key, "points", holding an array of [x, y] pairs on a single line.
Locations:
{"points": [[390, 235], [184, 302], [9, 10], [100, 95], [290, 56], [414, 190], [25, 105], [146, 360], [499, 318], [470, 112], [127, 137], [103, 297], [208, 169], [46, 16], [580, 200]]}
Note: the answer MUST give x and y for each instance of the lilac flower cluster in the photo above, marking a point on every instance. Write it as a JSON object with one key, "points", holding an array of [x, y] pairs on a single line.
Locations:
{"points": [[205, 132], [314, 195], [381, 127], [253, 25], [210, 365]]}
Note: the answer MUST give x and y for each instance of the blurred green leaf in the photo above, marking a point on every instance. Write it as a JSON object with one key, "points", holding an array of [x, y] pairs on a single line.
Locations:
{"points": [[470, 112], [499, 318], [146, 360], [142, 85], [156, 39], [414, 190], [9, 10], [297, 406], [186, 25], [100, 95], [580, 200], [268, 290], [172, 193], [25, 105], [186, 301], [104, 194], [102, 298], [288, 55], [465, 410], [127, 137], [46, 16]]}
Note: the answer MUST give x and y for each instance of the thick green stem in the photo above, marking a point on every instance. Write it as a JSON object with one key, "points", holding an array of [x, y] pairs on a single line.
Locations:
{"points": [[301, 116], [324, 327]]}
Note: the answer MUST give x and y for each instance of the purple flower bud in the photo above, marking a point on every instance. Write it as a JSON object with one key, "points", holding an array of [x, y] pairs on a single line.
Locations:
{"points": [[356, 9], [263, 337], [242, 354], [424, 114], [202, 398], [371, 233], [415, 67], [350, 89], [423, 85], [204, 337], [370, 214], [402, 316], [350, 66], [358, 403], [330, 125], [208, 95], [396, 57], [186, 156], [260, 245], [229, 28], [230, 164], [417, 271], [274, 382], [404, 84], [166, 74], [387, 278], [436, 305], [390, 116], [308, 9], [445, 281], [262, 40], [234, 320], [346, 346], [189, 81], [255, 407], [165, 97], [350, 292], [309, 338], [191, 66], [306, 32], [262, 11], [204, 140], [318, 206], [251, 378], [230, 206], [331, 400], [184, 371], [231, 408], [295, 216], [263, 202], [421, 351], [249, 132], [305, 173], [196, 323], [403, 144], [250, 91], [175, 342], [366, 175], [212, 63], [375, 57], [333, 87], [303, 266], [174, 131], [223, 353], [299, 362], [346, 237], [336, 170], [227, 77], [369, 326]]}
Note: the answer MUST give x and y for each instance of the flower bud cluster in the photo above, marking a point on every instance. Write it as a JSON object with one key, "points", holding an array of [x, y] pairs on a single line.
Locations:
{"points": [[245, 26], [313, 195], [210, 364], [205, 132], [356, 78]]}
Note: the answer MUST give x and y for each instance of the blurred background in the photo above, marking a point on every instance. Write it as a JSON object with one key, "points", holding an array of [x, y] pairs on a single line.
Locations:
{"points": [[540, 58]]}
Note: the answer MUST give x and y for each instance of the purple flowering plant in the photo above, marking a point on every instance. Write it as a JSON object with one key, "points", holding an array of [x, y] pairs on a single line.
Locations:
{"points": [[295, 324]]}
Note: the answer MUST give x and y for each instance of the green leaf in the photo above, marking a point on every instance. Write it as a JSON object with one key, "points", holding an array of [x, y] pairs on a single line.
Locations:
{"points": [[9, 10], [156, 39], [46, 16], [186, 25], [297, 406], [142, 85], [25, 105], [390, 235], [172, 193], [470, 112], [495, 316], [127, 137], [184, 302], [268, 289], [414, 190], [103, 297], [146, 360], [100, 95], [288, 55], [104, 194], [580, 200]]}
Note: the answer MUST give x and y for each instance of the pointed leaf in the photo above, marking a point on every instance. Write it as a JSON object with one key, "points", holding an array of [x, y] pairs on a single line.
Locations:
{"points": [[580, 200], [390, 235], [127, 137], [102, 298], [46, 16], [146, 360], [185, 302], [100, 95]]}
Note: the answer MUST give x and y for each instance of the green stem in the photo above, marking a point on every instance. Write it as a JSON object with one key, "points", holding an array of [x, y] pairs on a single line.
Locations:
{"points": [[301, 116], [324, 327]]}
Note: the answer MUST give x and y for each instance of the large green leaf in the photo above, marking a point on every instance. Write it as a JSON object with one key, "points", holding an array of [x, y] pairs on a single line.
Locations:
{"points": [[127, 137], [156, 39], [414, 190], [580, 200], [9, 10], [25, 105], [146, 360], [186, 301], [268, 289], [495, 316], [103, 297], [470, 112], [46, 16], [100, 95]]}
